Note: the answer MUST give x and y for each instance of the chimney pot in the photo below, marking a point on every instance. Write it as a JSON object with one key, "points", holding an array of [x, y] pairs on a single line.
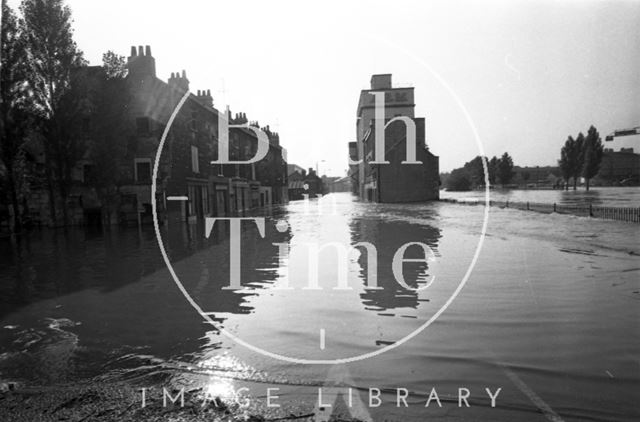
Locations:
{"points": [[140, 51], [148, 50], [133, 51], [184, 74]]}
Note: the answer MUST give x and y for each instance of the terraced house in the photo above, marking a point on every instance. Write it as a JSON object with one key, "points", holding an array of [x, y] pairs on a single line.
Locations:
{"points": [[185, 167]]}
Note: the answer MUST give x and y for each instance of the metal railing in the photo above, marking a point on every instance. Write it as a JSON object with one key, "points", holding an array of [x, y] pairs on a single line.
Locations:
{"points": [[626, 214]]}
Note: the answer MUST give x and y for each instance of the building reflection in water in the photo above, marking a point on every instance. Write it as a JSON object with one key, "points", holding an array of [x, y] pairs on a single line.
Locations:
{"points": [[206, 276], [388, 237]]}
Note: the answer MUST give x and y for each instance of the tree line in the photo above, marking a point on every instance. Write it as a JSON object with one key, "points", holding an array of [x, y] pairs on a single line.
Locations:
{"points": [[581, 157], [472, 174], [44, 109]]}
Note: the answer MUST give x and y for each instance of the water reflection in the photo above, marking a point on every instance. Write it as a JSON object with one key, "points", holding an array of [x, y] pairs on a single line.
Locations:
{"points": [[389, 237], [206, 275], [86, 304], [47, 264], [114, 296]]}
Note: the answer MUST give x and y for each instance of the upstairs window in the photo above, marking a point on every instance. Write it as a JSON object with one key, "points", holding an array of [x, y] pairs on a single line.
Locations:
{"points": [[195, 162], [143, 170], [194, 118], [142, 125]]}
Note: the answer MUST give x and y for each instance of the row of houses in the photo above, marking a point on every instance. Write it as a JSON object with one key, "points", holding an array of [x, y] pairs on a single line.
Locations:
{"points": [[185, 168], [303, 182]]}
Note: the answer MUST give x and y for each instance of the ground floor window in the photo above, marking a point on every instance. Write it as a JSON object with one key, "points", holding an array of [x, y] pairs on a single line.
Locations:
{"points": [[198, 204]]}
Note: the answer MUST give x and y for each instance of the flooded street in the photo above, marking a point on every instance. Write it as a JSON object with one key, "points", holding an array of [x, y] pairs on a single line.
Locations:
{"points": [[549, 314], [597, 196]]}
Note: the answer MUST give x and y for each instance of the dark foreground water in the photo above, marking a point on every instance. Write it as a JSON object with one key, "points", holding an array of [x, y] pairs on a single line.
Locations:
{"points": [[550, 315]]}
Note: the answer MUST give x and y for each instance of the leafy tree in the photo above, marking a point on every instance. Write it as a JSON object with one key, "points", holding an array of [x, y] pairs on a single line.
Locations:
{"points": [[458, 180], [505, 169], [14, 103], [593, 150], [475, 171], [567, 159], [109, 130], [571, 159], [115, 66], [493, 169], [52, 57], [579, 160]]}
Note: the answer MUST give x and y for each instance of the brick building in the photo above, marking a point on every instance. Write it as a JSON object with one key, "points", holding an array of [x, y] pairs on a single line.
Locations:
{"points": [[192, 144], [392, 182], [621, 166], [303, 182], [185, 167]]}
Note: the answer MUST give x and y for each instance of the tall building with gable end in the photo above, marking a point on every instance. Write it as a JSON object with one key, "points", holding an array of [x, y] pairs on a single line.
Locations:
{"points": [[395, 181]]}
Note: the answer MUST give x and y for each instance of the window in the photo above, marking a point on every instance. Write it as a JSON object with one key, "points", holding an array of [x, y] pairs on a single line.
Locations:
{"points": [[88, 173], [143, 170], [86, 126], [142, 124], [194, 117], [194, 159], [192, 201], [205, 200]]}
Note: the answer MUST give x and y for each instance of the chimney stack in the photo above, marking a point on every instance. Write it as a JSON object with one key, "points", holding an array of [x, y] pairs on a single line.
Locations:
{"points": [[141, 65], [205, 98], [179, 82]]}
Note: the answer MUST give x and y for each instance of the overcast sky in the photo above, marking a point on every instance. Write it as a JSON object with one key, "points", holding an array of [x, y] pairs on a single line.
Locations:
{"points": [[529, 73]]}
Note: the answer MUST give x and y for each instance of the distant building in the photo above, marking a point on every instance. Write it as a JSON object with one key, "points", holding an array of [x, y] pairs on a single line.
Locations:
{"points": [[303, 183], [292, 168], [336, 184], [354, 168], [393, 182], [538, 176], [620, 167], [296, 185]]}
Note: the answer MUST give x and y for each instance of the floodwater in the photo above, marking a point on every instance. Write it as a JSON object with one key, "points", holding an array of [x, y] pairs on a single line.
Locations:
{"points": [[596, 196], [549, 314]]}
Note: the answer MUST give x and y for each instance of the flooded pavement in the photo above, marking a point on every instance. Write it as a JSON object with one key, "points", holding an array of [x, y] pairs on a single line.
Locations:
{"points": [[547, 322]]}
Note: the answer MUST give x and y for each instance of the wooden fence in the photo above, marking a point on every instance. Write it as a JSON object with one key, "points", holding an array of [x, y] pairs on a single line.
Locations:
{"points": [[627, 214]]}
